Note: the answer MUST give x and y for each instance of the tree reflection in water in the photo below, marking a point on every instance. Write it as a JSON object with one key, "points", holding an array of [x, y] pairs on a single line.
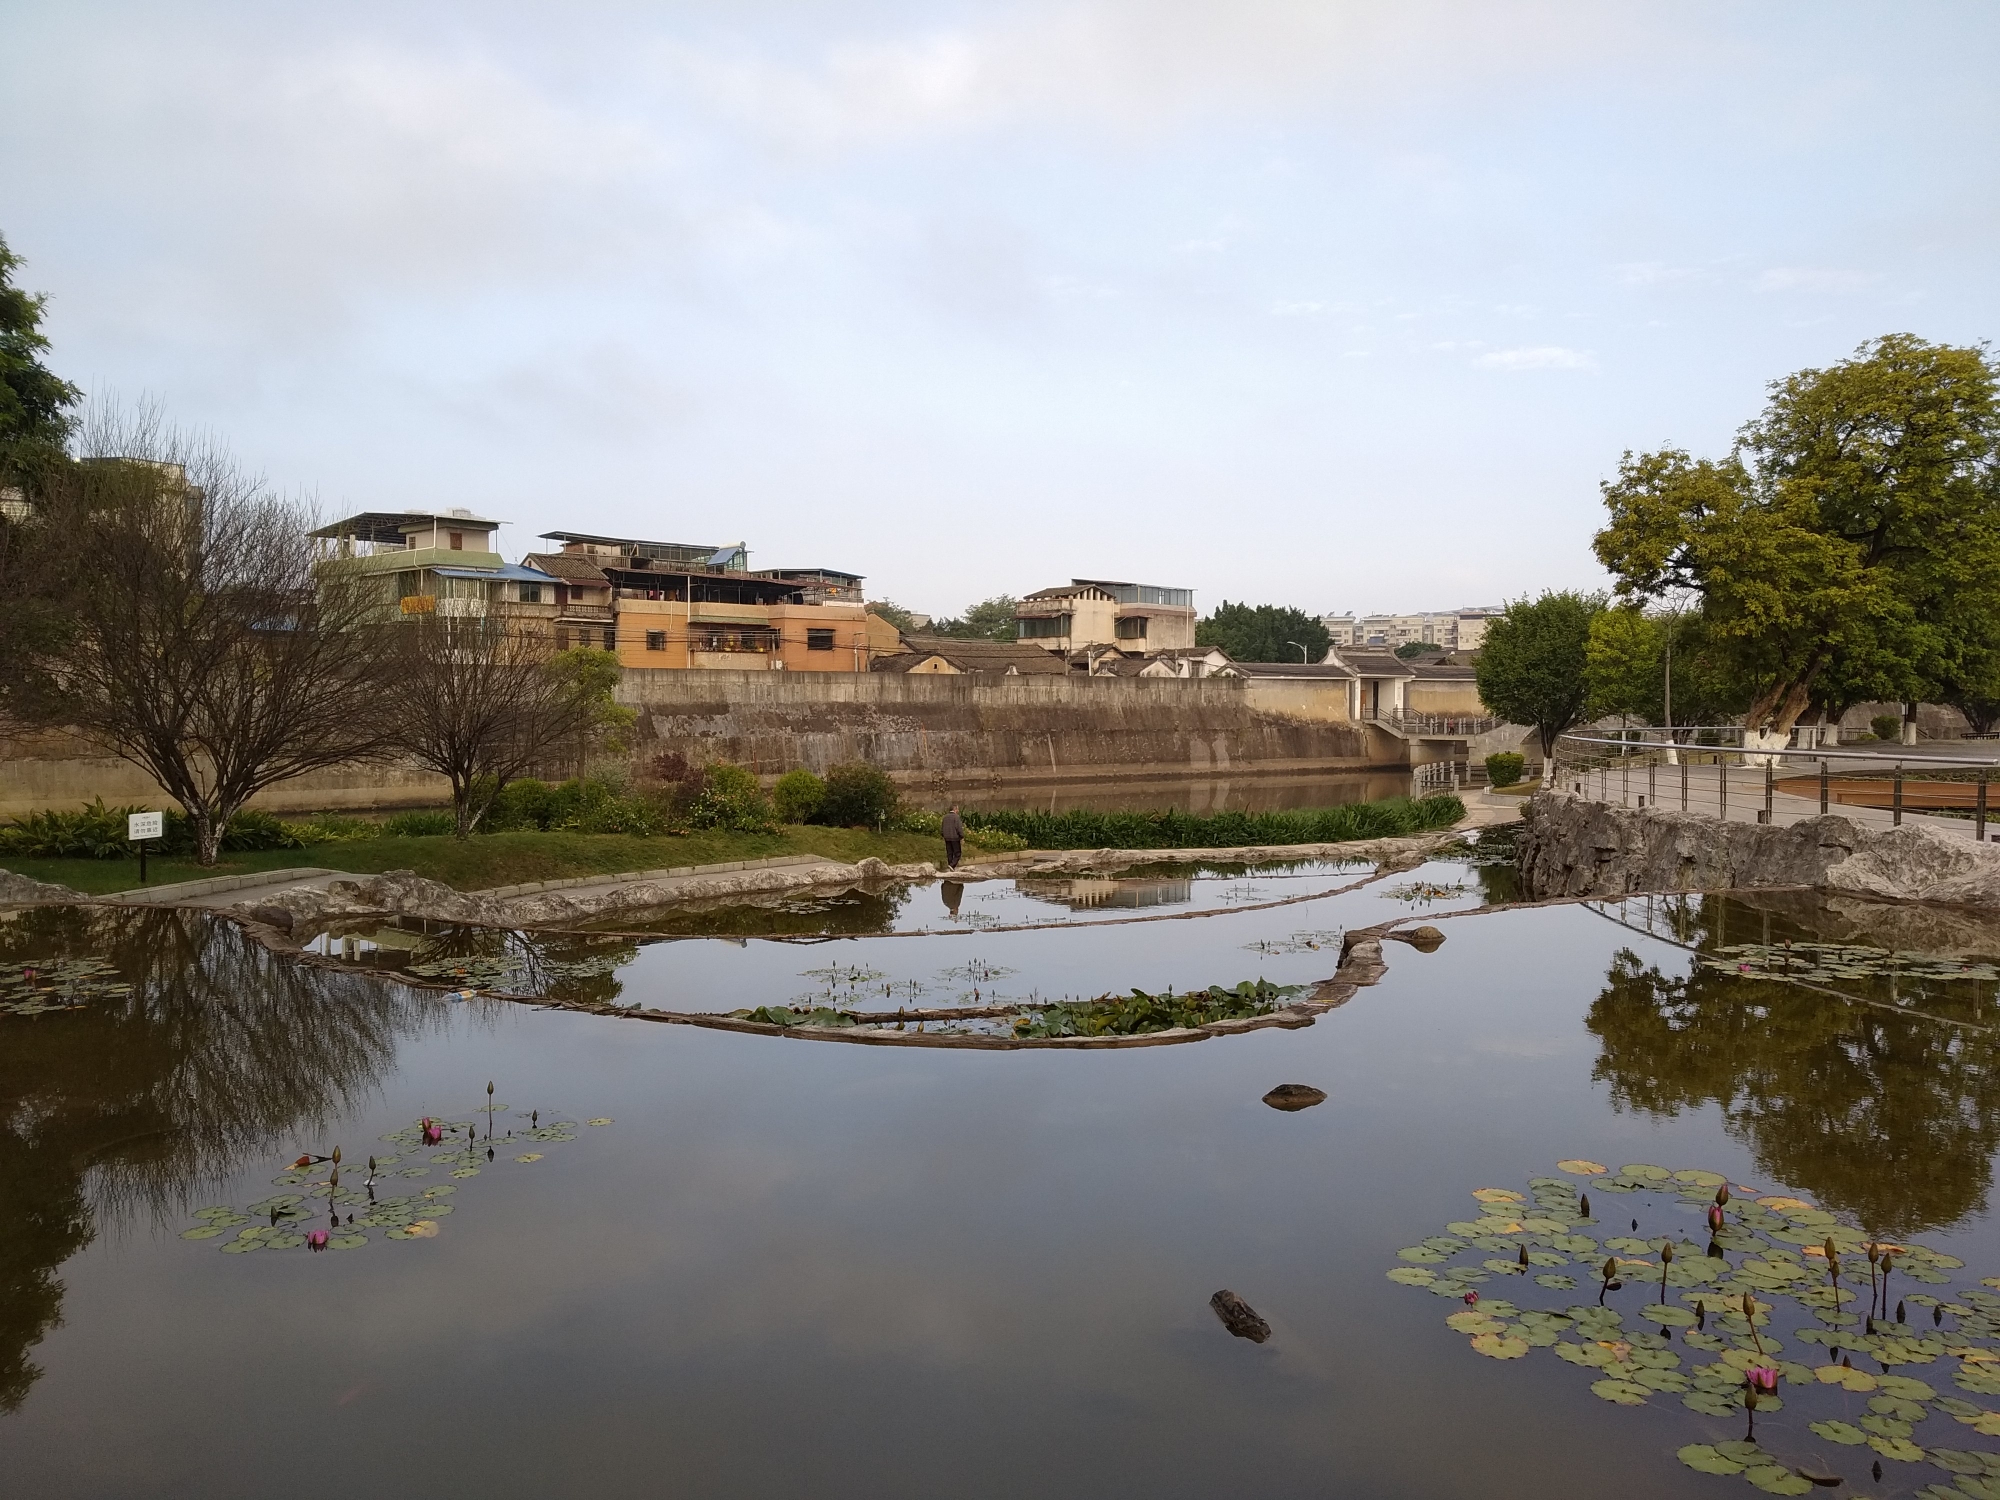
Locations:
{"points": [[132, 1104], [1891, 1118]]}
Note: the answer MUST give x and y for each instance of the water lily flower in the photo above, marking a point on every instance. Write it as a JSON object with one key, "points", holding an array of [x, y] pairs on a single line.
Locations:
{"points": [[316, 1240], [1470, 1298], [1714, 1217], [432, 1134], [1762, 1379]]}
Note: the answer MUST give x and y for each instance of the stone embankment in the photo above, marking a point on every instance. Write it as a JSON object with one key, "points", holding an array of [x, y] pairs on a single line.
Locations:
{"points": [[402, 893], [1569, 846]]}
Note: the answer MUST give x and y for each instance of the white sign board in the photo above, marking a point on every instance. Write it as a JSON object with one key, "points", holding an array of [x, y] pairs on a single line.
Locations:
{"points": [[146, 826]]}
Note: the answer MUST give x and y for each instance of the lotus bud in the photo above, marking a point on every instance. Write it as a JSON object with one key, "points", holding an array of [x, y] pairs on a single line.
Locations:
{"points": [[1873, 1252], [1750, 1398], [1749, 1306], [1667, 1253], [336, 1156], [316, 1241], [1586, 1205], [1899, 1312], [1714, 1218], [1888, 1264], [1722, 1196], [1831, 1254], [489, 1088], [1610, 1266]]}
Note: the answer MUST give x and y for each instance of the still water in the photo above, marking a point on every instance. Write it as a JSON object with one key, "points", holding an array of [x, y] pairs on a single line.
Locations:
{"points": [[788, 1268]]}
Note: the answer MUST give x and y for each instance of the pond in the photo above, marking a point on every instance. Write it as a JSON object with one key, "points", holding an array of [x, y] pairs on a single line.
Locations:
{"points": [[707, 1263]]}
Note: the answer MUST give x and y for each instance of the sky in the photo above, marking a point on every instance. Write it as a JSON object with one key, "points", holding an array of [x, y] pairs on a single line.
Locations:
{"points": [[1335, 305]]}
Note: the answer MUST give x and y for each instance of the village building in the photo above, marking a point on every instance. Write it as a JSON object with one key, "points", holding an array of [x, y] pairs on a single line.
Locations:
{"points": [[946, 656], [1131, 617], [439, 562]]}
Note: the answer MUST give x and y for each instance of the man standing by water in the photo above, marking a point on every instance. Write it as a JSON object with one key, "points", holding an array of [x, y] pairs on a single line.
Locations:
{"points": [[953, 832]]}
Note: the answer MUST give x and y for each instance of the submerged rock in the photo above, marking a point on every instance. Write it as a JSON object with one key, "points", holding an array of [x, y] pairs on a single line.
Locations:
{"points": [[1290, 1096], [1425, 939], [1238, 1318]]}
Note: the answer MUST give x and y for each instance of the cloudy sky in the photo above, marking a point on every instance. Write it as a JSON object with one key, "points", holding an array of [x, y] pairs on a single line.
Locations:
{"points": [[1329, 304]]}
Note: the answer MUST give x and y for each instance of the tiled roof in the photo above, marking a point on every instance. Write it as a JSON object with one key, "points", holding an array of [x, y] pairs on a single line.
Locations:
{"points": [[567, 565], [1322, 670]]}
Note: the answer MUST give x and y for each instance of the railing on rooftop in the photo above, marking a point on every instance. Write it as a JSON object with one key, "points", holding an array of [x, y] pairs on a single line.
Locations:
{"points": [[1725, 771], [1447, 726]]}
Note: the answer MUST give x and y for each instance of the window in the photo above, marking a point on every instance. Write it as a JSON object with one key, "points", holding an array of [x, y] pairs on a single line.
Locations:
{"points": [[531, 593], [819, 640], [562, 638], [458, 541], [1132, 628], [656, 640], [1044, 627], [610, 638]]}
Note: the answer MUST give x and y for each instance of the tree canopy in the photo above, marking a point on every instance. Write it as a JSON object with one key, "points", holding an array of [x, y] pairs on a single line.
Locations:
{"points": [[988, 620], [1848, 547], [1532, 668], [35, 404], [1263, 632]]}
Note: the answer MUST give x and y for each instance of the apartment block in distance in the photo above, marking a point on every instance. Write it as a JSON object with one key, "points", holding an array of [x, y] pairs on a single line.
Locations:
{"points": [[1139, 618], [694, 605]]}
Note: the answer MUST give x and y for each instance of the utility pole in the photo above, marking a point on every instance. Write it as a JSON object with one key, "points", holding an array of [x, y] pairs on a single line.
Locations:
{"points": [[1304, 656]]}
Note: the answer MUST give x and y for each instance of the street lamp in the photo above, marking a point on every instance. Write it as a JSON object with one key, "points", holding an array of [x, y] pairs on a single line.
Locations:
{"points": [[1303, 656]]}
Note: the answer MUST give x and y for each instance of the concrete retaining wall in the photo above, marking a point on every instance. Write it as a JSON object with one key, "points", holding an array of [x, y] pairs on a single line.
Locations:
{"points": [[979, 727]]}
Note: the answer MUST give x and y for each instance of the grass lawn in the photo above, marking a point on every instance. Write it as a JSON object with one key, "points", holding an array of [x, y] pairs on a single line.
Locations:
{"points": [[487, 860]]}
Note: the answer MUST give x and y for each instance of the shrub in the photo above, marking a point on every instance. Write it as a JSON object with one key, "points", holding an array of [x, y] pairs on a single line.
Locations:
{"points": [[1173, 829], [1886, 727], [332, 828], [1505, 769], [857, 795], [93, 832], [995, 840], [797, 796], [729, 798], [428, 823]]}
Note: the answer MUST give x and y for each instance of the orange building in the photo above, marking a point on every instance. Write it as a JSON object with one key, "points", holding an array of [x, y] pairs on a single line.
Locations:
{"points": [[677, 604]]}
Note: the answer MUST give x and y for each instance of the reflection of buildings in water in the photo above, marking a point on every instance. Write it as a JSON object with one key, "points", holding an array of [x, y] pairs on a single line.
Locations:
{"points": [[1090, 893]]}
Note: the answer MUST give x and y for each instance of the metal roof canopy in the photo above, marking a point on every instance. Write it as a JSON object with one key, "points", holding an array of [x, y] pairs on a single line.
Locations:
{"points": [[659, 551], [510, 573], [391, 525]]}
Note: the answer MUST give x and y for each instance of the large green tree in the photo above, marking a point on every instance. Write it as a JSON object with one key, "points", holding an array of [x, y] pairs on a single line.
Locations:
{"points": [[36, 406], [988, 620], [1657, 668], [1849, 547], [1263, 632], [1533, 667]]}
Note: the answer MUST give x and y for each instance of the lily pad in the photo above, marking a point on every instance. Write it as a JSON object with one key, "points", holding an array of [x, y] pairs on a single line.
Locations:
{"points": [[1557, 1283], [347, 1241], [1899, 1448], [1776, 1479], [1958, 1460], [1841, 1432], [1474, 1321], [1578, 1166], [1986, 1424], [1622, 1392], [1499, 1346], [1412, 1275], [1667, 1317], [1981, 1380], [530, 1156], [1712, 1403], [1422, 1255], [597, 1122], [1703, 1459]]}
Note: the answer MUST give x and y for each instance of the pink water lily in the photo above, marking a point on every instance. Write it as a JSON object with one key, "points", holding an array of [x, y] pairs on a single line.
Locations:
{"points": [[316, 1241], [1714, 1217], [1470, 1298], [1762, 1379], [432, 1132]]}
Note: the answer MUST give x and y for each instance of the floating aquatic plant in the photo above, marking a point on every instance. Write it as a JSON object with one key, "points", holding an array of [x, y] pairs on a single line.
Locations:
{"points": [[1297, 942], [1823, 962], [1769, 1256], [35, 986], [322, 1214]]}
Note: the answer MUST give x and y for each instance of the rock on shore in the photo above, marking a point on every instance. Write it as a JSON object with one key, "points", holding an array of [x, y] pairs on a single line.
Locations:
{"points": [[1572, 847]]}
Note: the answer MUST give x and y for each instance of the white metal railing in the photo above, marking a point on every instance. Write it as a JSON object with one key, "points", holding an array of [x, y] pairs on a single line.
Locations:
{"points": [[1751, 777]]}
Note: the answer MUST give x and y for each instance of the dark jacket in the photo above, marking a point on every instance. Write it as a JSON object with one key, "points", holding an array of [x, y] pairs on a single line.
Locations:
{"points": [[951, 830]]}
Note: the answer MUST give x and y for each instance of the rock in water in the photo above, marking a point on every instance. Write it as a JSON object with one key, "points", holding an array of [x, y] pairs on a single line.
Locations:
{"points": [[1425, 939], [1289, 1096], [1238, 1318]]}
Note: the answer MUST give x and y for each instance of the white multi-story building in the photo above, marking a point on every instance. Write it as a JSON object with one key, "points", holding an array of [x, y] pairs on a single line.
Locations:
{"points": [[1448, 630]]}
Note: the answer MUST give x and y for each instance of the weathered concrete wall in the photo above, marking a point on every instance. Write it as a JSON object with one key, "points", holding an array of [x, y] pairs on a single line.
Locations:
{"points": [[1573, 847], [60, 771], [967, 727]]}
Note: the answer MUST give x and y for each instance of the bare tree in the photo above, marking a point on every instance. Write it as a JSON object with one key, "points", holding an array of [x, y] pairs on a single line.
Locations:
{"points": [[483, 701], [200, 639]]}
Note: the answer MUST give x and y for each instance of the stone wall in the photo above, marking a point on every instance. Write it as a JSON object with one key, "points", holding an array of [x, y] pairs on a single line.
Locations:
{"points": [[1570, 846], [61, 771], [980, 726]]}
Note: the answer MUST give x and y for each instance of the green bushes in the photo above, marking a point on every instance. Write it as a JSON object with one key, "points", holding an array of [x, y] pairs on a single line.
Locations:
{"points": [[1174, 829], [1505, 768], [858, 795], [1886, 727], [98, 832], [428, 823], [729, 799], [797, 796]]}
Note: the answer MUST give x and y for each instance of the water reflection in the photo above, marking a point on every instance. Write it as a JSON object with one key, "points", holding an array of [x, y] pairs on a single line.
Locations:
{"points": [[1100, 892], [126, 1104], [1884, 1113]]}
